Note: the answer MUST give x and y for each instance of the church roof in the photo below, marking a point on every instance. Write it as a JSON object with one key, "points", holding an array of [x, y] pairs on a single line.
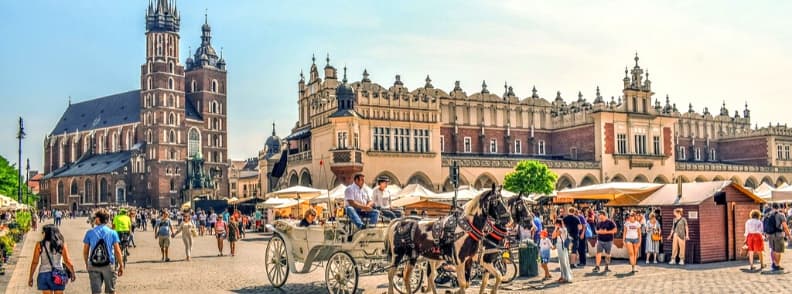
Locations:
{"points": [[93, 165], [102, 112]]}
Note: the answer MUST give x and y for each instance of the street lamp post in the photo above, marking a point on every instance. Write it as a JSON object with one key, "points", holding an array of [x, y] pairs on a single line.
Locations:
{"points": [[20, 136]]}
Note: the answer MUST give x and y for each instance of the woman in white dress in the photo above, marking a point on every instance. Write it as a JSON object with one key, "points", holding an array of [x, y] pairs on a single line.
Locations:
{"points": [[561, 236], [652, 245]]}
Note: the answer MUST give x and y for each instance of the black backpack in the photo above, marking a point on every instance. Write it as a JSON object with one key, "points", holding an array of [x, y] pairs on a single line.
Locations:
{"points": [[769, 222], [99, 255]]}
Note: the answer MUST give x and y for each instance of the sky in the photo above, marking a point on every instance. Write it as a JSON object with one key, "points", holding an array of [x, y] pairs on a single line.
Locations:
{"points": [[699, 52]]}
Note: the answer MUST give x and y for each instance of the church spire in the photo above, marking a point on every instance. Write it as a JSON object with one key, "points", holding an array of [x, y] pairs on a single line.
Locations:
{"points": [[205, 55], [273, 129], [162, 17]]}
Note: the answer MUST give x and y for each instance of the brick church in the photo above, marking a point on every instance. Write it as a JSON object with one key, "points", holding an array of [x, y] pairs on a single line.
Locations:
{"points": [[156, 146]]}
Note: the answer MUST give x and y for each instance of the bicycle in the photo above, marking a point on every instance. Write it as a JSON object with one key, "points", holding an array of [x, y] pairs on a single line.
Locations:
{"points": [[124, 244]]}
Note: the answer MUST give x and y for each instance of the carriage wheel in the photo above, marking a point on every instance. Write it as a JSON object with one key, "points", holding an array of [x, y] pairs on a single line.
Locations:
{"points": [[341, 274], [416, 277], [276, 261], [508, 269]]}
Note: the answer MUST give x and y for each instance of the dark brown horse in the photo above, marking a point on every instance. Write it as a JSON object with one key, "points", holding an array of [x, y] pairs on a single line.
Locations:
{"points": [[413, 239], [497, 241]]}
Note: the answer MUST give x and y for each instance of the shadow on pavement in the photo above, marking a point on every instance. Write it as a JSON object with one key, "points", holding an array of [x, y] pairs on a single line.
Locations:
{"points": [[302, 288], [248, 239]]}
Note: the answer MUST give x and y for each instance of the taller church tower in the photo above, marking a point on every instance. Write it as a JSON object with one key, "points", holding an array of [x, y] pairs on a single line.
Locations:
{"points": [[163, 105]]}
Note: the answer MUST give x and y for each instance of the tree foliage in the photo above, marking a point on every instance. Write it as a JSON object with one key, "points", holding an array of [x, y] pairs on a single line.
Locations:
{"points": [[531, 176], [9, 182]]}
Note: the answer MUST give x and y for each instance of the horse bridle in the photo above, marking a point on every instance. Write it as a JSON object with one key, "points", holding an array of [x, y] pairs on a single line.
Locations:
{"points": [[490, 227]]}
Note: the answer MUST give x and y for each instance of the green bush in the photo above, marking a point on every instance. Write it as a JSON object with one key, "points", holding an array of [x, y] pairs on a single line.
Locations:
{"points": [[23, 219], [16, 234], [7, 242]]}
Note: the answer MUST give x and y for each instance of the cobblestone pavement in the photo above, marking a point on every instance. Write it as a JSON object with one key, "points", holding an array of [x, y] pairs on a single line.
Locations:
{"points": [[244, 273]]}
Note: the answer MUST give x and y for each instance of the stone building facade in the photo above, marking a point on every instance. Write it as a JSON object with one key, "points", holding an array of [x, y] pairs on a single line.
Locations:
{"points": [[134, 147], [413, 135]]}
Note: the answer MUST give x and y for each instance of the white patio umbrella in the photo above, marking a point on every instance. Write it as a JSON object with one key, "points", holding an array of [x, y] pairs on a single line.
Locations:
{"points": [[298, 192], [414, 190], [336, 193], [275, 202]]}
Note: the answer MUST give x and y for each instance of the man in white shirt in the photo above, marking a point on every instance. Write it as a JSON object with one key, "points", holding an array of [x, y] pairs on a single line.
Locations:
{"points": [[358, 203], [382, 198]]}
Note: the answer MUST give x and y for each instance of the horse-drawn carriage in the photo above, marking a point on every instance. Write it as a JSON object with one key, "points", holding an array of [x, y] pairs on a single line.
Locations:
{"points": [[346, 255], [344, 259]]}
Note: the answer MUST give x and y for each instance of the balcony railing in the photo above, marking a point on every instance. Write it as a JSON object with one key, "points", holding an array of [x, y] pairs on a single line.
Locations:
{"points": [[302, 156], [347, 156]]}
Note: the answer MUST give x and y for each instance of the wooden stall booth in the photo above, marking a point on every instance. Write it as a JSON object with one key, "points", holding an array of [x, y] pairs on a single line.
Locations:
{"points": [[716, 213], [603, 196]]}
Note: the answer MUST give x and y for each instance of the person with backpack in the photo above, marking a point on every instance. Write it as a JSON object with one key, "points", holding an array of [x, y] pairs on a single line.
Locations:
{"points": [[775, 229], [53, 256], [163, 231], [102, 254]]}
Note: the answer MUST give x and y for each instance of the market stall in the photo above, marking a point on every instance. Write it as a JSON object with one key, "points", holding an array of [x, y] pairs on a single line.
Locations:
{"points": [[716, 213]]}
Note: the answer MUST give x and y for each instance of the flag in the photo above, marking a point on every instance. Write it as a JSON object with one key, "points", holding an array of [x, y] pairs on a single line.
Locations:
{"points": [[280, 167]]}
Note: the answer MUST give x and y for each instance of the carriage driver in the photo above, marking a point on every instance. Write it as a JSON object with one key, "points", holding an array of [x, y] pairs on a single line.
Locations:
{"points": [[382, 198], [358, 203]]}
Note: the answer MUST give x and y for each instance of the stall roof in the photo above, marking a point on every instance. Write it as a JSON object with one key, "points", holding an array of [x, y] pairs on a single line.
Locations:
{"points": [[692, 194], [764, 190], [781, 195], [608, 191]]}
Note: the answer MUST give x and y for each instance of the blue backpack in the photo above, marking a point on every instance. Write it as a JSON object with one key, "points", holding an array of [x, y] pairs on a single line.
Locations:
{"points": [[589, 233]]}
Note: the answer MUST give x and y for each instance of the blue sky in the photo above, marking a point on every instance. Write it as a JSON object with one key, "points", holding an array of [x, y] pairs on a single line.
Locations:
{"points": [[701, 53]]}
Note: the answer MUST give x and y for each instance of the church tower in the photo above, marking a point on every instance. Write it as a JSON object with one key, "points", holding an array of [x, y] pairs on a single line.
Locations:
{"points": [[206, 85], [162, 102]]}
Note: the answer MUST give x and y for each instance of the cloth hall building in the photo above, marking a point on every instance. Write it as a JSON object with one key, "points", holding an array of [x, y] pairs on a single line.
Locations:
{"points": [[413, 135], [156, 146]]}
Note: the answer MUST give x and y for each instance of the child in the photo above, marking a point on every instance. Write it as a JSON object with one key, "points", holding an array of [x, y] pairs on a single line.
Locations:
{"points": [[544, 252]]}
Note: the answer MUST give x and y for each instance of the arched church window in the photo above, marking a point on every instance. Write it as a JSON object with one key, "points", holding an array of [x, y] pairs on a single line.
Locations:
{"points": [[171, 137], [170, 67], [193, 86], [170, 83], [214, 86], [193, 142], [171, 119]]}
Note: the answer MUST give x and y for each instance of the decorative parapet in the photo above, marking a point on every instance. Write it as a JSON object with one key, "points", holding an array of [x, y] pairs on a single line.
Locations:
{"points": [[512, 162], [778, 130], [717, 167]]}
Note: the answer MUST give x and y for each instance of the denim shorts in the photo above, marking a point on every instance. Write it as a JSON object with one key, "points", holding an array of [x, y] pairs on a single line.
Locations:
{"points": [[545, 256], [631, 240], [45, 283]]}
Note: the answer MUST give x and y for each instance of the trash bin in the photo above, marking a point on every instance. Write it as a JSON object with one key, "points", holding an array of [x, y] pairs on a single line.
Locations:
{"points": [[529, 256]]}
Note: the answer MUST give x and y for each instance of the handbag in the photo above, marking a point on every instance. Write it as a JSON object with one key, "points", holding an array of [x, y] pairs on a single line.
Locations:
{"points": [[59, 276], [657, 237]]}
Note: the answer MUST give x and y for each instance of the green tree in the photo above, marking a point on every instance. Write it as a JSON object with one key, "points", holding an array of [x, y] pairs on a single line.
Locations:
{"points": [[9, 180], [530, 176]]}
